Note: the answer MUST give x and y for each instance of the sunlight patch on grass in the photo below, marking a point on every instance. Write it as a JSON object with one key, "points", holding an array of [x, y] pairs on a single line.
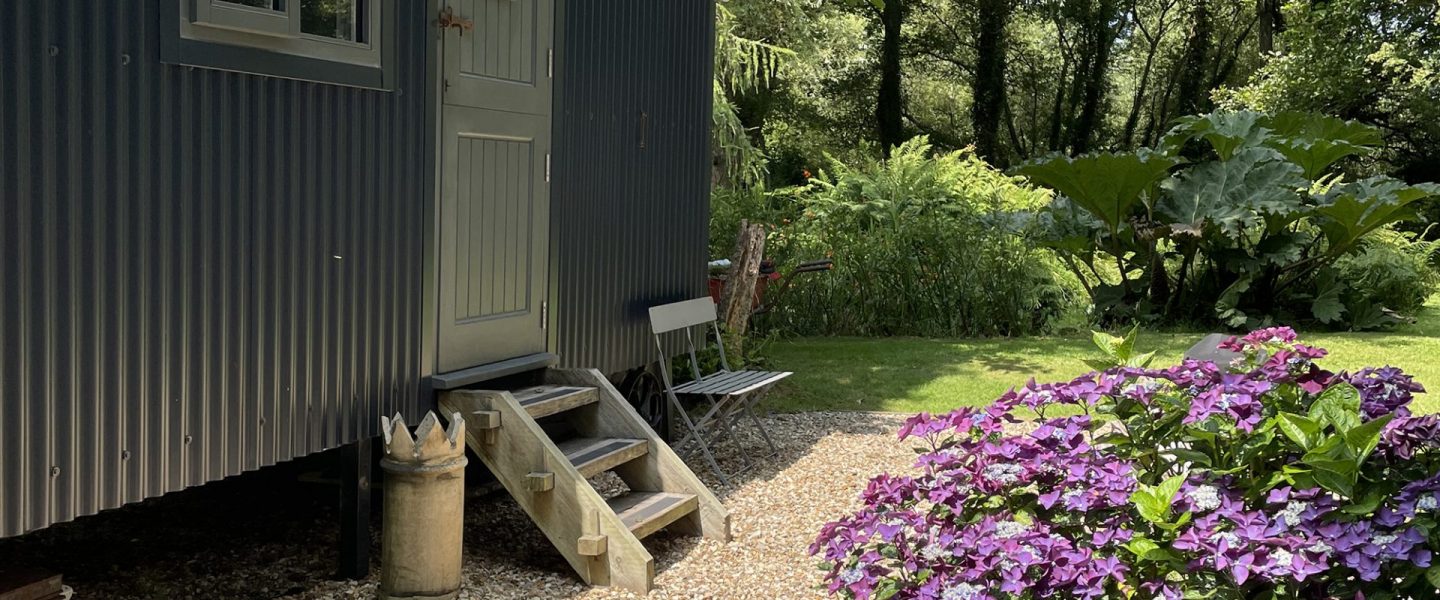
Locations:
{"points": [[908, 375]]}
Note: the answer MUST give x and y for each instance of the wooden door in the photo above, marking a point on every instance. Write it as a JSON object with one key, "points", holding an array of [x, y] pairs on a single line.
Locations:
{"points": [[494, 190]]}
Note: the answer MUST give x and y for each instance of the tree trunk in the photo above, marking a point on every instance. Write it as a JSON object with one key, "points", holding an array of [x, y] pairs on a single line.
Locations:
{"points": [[1224, 68], [1017, 145], [1101, 37], [1057, 118], [989, 82], [1161, 114], [738, 297], [1272, 22], [1076, 92], [1194, 92], [1133, 119], [1137, 103], [889, 106]]}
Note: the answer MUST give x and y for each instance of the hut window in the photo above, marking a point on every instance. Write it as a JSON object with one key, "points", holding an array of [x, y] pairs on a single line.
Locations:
{"points": [[339, 41]]}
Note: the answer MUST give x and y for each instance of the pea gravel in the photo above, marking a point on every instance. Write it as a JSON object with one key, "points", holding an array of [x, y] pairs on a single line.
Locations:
{"points": [[776, 508], [272, 535]]}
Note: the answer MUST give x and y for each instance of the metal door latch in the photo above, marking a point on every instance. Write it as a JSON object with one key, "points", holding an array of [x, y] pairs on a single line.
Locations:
{"points": [[448, 20]]}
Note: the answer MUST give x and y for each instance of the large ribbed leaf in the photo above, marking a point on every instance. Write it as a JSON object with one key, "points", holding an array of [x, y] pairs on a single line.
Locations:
{"points": [[1227, 132], [1226, 193], [1314, 126], [1352, 210], [1106, 185], [1314, 157], [1316, 141]]}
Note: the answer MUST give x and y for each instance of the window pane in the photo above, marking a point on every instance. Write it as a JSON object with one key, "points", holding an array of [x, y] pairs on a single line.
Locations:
{"points": [[337, 19], [276, 5]]}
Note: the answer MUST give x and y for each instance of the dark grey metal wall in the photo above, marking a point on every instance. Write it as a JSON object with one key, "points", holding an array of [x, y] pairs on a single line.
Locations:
{"points": [[632, 168], [203, 272]]}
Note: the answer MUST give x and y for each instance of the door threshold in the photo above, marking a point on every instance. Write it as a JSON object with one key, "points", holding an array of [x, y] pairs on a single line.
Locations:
{"points": [[495, 370]]}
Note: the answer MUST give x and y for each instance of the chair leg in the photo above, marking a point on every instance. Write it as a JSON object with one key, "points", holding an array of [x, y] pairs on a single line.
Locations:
{"points": [[750, 410], [703, 423], [728, 420], [717, 413], [699, 440]]}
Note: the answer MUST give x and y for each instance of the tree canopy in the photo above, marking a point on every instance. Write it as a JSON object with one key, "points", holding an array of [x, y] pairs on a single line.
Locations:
{"points": [[1020, 79]]}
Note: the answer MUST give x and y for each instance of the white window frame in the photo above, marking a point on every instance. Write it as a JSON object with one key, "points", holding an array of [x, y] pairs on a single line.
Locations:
{"points": [[231, 23]]}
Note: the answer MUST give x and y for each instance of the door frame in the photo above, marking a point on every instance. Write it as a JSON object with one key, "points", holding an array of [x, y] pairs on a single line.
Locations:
{"points": [[429, 295]]}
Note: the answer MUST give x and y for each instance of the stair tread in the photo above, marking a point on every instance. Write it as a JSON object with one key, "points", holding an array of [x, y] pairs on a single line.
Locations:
{"points": [[592, 456], [645, 513], [546, 400]]}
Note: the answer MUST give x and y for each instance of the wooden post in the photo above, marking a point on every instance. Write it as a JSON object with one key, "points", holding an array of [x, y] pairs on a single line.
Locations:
{"points": [[355, 510], [738, 298], [424, 509]]}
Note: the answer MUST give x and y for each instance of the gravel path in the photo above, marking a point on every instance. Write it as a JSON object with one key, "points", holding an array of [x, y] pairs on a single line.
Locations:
{"points": [[261, 538], [775, 511]]}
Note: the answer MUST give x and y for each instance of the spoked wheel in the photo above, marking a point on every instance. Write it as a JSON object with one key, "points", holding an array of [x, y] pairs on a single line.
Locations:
{"points": [[644, 392]]}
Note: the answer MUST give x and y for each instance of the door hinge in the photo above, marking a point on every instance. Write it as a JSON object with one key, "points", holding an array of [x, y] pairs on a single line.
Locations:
{"points": [[545, 314], [547, 167], [550, 62]]}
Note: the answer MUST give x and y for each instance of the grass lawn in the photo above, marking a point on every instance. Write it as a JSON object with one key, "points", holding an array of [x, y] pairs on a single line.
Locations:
{"points": [[909, 375]]}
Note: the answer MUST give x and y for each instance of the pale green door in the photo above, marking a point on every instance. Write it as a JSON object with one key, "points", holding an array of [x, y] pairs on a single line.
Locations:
{"points": [[494, 189]]}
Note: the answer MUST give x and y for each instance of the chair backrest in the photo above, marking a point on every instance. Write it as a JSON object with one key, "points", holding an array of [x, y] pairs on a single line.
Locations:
{"points": [[679, 315], [685, 315]]}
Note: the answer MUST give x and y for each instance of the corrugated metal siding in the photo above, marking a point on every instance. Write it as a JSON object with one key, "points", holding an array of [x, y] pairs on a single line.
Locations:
{"points": [[629, 222], [203, 272]]}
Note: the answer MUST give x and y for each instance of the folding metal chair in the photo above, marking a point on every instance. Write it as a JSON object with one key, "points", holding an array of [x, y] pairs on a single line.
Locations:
{"points": [[730, 395]]}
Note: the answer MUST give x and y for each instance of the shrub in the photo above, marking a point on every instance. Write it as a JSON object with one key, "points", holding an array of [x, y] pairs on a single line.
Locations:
{"points": [[1266, 477], [921, 247], [1394, 269], [728, 206], [934, 277], [1238, 218]]}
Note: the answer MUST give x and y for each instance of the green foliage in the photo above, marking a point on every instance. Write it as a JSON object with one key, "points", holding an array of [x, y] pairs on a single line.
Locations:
{"points": [[742, 65], [915, 184], [921, 247], [1107, 185], [1249, 231], [1354, 210], [1370, 60], [1394, 268], [1155, 503], [728, 206], [1098, 73], [1225, 194], [1118, 351]]}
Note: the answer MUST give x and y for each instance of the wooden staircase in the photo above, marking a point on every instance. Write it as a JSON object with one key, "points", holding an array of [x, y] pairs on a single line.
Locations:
{"points": [[599, 537]]}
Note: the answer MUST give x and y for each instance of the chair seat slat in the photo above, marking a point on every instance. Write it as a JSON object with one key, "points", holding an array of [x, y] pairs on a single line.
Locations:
{"points": [[773, 379], [713, 384], [732, 382]]}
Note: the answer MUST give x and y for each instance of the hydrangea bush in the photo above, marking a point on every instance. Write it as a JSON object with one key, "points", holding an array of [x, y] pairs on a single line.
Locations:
{"points": [[1264, 478]]}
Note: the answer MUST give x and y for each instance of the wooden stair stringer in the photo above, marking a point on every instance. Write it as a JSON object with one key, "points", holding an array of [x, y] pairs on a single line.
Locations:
{"points": [[660, 470], [571, 513]]}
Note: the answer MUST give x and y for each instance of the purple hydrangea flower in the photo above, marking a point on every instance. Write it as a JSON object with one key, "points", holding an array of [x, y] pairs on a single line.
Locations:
{"points": [[1236, 396], [992, 512], [1384, 391], [1406, 437]]}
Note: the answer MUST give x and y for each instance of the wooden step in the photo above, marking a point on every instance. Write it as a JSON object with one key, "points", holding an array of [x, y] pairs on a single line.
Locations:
{"points": [[592, 456], [645, 513], [546, 400]]}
